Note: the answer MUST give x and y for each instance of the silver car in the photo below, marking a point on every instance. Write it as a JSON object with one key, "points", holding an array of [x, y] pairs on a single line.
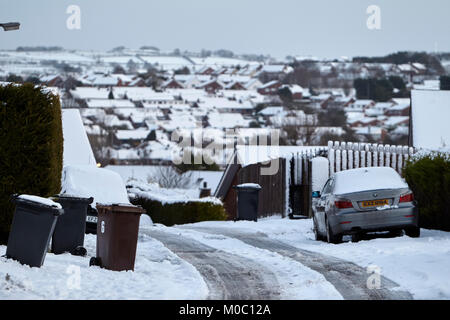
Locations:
{"points": [[357, 201]]}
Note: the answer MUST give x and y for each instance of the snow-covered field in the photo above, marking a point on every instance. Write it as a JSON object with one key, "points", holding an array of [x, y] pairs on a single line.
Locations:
{"points": [[159, 274], [419, 265]]}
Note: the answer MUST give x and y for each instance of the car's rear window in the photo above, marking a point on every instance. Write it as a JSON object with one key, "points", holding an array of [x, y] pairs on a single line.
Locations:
{"points": [[365, 179]]}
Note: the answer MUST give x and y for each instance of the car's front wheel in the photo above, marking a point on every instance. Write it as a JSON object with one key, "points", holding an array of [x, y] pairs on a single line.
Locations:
{"points": [[331, 237], [413, 232], [317, 234]]}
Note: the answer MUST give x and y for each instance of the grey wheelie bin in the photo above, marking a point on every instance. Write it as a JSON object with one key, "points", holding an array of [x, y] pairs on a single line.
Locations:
{"points": [[31, 230], [247, 201], [70, 227]]}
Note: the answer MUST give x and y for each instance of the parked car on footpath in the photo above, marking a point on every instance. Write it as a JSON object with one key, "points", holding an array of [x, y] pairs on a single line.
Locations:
{"points": [[358, 201]]}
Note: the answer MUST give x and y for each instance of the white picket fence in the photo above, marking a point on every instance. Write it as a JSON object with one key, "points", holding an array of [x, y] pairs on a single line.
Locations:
{"points": [[344, 156]]}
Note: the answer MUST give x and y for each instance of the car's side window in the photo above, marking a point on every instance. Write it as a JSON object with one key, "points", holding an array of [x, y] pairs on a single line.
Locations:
{"points": [[327, 187]]}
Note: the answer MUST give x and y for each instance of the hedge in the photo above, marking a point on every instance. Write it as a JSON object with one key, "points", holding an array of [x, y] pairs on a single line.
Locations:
{"points": [[429, 178], [181, 212], [31, 146]]}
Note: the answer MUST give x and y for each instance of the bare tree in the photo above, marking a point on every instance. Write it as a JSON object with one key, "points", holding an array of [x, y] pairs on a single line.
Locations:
{"points": [[168, 177]]}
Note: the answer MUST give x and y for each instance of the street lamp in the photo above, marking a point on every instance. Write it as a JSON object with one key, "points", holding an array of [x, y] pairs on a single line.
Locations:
{"points": [[10, 26]]}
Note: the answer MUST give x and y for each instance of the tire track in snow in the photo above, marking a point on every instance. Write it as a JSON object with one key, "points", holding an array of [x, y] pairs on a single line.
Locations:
{"points": [[347, 277], [229, 277]]}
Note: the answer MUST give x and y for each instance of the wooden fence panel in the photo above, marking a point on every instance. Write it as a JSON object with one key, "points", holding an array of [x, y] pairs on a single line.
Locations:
{"points": [[343, 156]]}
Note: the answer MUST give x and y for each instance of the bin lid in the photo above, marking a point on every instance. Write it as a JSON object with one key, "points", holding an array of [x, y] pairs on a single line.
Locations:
{"points": [[68, 197], [120, 207], [253, 186], [36, 201]]}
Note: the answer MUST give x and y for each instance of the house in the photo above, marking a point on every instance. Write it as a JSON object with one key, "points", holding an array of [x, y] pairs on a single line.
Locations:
{"points": [[396, 121], [226, 120], [364, 122], [296, 90], [206, 70], [399, 110], [211, 86], [270, 88], [109, 103], [52, 80], [253, 84], [378, 109], [134, 137], [272, 111], [234, 85], [137, 82], [375, 133], [360, 105], [322, 101], [172, 84], [276, 70]]}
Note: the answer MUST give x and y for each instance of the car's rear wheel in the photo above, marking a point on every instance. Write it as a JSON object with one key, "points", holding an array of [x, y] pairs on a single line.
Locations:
{"points": [[357, 237], [413, 232], [331, 237]]}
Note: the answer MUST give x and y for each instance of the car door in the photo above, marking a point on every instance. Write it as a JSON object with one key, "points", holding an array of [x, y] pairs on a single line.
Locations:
{"points": [[321, 205]]}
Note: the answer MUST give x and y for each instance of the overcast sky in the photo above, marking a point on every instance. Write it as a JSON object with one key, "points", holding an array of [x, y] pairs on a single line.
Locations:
{"points": [[324, 28]]}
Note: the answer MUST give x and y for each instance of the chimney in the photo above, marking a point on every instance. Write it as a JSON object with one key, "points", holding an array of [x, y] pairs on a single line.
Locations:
{"points": [[205, 191]]}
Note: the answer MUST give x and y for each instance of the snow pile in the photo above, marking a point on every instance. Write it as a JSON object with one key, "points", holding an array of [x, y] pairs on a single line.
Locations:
{"points": [[105, 186], [158, 274], [152, 191], [44, 201], [367, 179]]}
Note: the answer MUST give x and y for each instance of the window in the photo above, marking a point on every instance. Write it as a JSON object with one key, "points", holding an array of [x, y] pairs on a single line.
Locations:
{"points": [[328, 187]]}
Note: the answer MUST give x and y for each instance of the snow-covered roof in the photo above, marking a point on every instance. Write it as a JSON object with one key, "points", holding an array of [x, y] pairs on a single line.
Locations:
{"points": [[430, 116], [268, 84], [138, 134], [109, 103], [395, 121], [250, 154], [271, 111], [77, 149], [226, 120]]}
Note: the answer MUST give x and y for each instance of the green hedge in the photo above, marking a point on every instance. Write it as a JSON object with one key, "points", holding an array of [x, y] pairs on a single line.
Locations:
{"points": [[31, 146], [180, 212], [429, 179]]}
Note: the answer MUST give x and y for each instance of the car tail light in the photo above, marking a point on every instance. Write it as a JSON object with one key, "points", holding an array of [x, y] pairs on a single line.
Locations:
{"points": [[343, 204], [409, 197]]}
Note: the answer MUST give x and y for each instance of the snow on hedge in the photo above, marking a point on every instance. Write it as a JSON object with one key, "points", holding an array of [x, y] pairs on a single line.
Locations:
{"points": [[152, 191], [105, 186]]}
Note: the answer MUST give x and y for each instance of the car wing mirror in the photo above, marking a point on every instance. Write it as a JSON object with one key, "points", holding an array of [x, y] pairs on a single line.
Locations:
{"points": [[316, 194]]}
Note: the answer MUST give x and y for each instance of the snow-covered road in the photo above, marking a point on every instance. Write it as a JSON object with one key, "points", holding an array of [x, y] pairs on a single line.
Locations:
{"points": [[348, 278], [228, 276], [272, 259], [418, 265]]}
